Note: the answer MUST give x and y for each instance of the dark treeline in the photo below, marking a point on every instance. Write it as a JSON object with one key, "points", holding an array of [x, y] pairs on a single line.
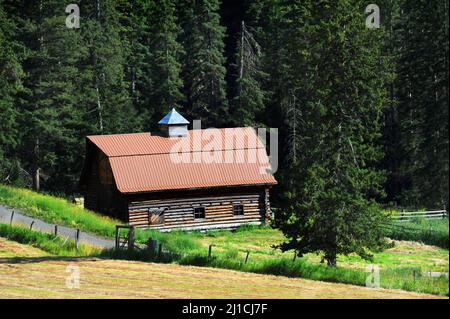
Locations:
{"points": [[362, 113]]}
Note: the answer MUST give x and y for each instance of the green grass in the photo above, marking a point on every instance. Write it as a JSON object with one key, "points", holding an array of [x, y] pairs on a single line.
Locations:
{"points": [[428, 231], [397, 265], [57, 211], [409, 279], [50, 243]]}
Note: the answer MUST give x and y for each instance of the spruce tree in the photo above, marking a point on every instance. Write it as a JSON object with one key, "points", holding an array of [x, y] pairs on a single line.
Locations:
{"points": [[11, 74], [105, 96], [249, 100], [204, 71], [422, 92], [153, 67], [48, 101], [165, 52], [330, 205]]}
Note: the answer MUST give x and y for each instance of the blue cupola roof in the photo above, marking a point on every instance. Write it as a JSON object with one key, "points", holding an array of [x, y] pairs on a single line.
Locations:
{"points": [[173, 117]]}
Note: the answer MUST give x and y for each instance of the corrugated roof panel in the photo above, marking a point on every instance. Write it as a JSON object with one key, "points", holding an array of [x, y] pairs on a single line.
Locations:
{"points": [[143, 162], [154, 143], [161, 172]]}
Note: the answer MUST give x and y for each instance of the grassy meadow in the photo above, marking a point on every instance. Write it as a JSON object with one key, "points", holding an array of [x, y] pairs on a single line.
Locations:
{"points": [[33, 273], [428, 231], [401, 266], [54, 245]]}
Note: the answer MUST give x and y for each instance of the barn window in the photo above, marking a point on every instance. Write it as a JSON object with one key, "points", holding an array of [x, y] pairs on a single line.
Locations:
{"points": [[238, 210], [199, 212]]}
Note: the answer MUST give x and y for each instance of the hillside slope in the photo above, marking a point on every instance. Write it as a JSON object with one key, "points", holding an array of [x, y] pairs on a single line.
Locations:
{"points": [[45, 277]]}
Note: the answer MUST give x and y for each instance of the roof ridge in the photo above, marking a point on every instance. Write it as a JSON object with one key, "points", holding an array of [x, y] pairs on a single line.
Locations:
{"points": [[182, 152], [157, 133]]}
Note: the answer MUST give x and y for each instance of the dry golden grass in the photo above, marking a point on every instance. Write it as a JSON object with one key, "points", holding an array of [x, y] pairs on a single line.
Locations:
{"points": [[42, 276], [12, 249]]}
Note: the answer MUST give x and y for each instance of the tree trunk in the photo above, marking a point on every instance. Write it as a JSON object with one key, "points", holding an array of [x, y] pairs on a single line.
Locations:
{"points": [[330, 257], [99, 108], [36, 169]]}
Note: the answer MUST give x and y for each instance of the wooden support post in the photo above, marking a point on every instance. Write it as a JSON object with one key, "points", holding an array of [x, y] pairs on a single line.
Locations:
{"points": [[414, 275], [77, 237], [160, 250], [149, 244], [12, 216], [246, 257], [117, 237], [56, 230], [267, 206], [31, 225], [210, 251], [131, 238], [295, 256], [152, 245]]}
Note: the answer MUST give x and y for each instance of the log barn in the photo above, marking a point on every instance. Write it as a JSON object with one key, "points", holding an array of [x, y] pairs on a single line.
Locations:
{"points": [[179, 178]]}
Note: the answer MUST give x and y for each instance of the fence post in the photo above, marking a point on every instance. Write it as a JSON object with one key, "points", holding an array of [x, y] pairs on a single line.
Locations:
{"points": [[131, 238], [149, 245], [414, 275], [152, 245], [31, 225], [77, 237], [12, 216], [295, 256], [160, 250], [210, 251], [117, 237], [246, 257], [56, 230]]}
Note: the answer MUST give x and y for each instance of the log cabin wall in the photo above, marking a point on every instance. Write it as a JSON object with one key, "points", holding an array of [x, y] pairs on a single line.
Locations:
{"points": [[178, 208], [101, 194]]}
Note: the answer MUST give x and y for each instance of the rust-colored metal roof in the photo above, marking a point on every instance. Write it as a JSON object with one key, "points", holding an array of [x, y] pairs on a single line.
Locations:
{"points": [[151, 143], [144, 162]]}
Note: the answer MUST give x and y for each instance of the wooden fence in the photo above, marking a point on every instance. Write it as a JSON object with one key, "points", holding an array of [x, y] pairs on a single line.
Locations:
{"points": [[432, 214]]}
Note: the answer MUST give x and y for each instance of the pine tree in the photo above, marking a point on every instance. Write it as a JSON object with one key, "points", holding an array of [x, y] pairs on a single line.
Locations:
{"points": [[204, 71], [47, 102], [10, 83], [330, 206], [249, 100], [422, 94], [390, 17], [273, 23], [165, 52], [105, 95], [153, 65]]}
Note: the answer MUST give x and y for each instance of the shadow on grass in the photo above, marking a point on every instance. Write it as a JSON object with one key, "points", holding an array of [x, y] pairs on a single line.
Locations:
{"points": [[29, 260]]}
